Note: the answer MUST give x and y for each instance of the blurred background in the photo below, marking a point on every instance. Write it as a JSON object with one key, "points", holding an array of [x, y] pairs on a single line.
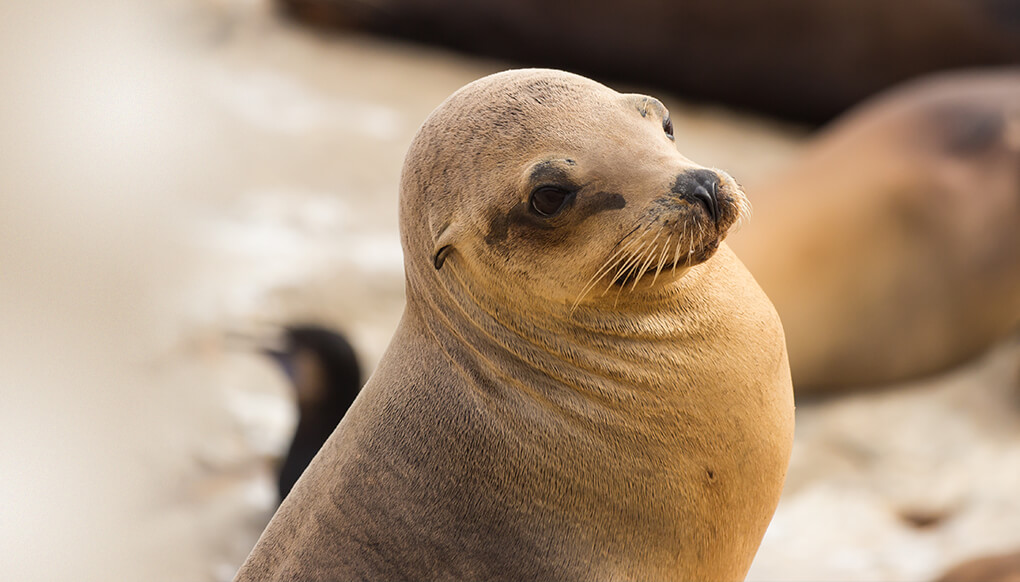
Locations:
{"points": [[179, 179]]}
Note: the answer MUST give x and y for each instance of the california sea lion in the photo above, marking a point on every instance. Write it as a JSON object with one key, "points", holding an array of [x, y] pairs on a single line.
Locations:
{"points": [[585, 384], [891, 248], [997, 568]]}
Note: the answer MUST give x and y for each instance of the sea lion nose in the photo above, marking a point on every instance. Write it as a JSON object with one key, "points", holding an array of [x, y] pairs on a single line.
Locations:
{"points": [[700, 186], [705, 193]]}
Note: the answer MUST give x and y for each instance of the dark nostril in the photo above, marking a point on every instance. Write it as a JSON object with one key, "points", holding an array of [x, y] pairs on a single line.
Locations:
{"points": [[700, 186], [708, 199]]}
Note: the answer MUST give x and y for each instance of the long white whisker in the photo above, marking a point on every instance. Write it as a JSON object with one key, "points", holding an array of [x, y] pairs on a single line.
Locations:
{"points": [[662, 258], [636, 256], [602, 271], [628, 266], [676, 257], [648, 261]]}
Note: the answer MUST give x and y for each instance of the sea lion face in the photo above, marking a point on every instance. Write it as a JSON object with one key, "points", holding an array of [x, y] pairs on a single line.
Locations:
{"points": [[566, 189]]}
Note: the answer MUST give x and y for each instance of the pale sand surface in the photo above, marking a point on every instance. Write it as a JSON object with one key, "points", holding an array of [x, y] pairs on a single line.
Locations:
{"points": [[198, 169]]}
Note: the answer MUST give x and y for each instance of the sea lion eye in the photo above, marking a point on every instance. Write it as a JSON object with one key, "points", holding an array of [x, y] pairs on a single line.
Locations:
{"points": [[667, 126], [548, 200]]}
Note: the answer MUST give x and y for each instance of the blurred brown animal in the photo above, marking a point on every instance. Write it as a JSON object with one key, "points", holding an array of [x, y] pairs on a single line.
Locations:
{"points": [[891, 248], [1000, 568]]}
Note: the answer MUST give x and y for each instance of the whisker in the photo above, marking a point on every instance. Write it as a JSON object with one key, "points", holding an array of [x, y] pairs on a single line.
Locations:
{"points": [[644, 267], [743, 214], [628, 262], [676, 257], [662, 258], [651, 255], [627, 269], [608, 264], [603, 270]]}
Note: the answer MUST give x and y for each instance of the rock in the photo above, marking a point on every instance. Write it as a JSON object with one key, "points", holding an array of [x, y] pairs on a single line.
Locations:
{"points": [[799, 59]]}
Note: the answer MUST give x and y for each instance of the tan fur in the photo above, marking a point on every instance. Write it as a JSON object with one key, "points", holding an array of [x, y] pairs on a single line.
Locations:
{"points": [[531, 418], [997, 568], [891, 249]]}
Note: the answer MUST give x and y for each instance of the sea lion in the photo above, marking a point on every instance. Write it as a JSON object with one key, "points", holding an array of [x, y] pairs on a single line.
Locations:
{"points": [[585, 383], [996, 568], [891, 248], [324, 372]]}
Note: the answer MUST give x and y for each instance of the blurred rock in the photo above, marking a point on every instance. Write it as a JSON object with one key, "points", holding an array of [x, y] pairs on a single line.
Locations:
{"points": [[800, 59]]}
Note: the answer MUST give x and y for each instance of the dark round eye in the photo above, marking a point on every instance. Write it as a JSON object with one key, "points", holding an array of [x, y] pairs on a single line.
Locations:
{"points": [[667, 126], [548, 200]]}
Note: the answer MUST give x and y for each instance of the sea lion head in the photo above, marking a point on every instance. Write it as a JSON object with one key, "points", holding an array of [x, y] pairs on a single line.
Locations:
{"points": [[548, 183]]}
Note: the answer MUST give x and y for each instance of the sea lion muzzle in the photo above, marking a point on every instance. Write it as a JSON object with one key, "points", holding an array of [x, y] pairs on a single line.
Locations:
{"points": [[699, 186]]}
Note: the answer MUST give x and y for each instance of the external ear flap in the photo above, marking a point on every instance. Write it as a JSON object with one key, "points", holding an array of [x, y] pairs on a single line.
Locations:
{"points": [[440, 257], [443, 246], [640, 102]]}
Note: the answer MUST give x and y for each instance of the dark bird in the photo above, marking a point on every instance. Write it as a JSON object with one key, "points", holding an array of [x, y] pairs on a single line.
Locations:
{"points": [[324, 372]]}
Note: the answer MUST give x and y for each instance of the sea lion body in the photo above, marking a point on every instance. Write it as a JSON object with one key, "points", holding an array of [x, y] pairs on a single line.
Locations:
{"points": [[995, 568], [531, 418], [891, 248]]}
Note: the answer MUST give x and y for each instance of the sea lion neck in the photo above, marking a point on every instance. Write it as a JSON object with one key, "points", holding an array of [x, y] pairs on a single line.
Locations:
{"points": [[609, 351]]}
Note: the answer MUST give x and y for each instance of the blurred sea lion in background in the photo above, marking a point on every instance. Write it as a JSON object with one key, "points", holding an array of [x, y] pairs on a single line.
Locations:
{"points": [[585, 383], [1001, 568], [891, 247], [323, 370], [799, 59]]}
